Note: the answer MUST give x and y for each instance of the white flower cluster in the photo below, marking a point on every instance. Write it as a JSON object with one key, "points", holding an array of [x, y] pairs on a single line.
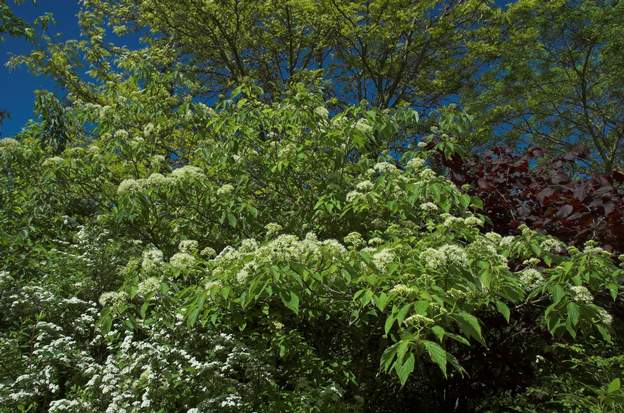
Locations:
{"points": [[473, 221], [188, 246], [365, 186], [128, 186], [531, 278], [415, 164], [186, 173], [189, 172], [363, 126], [427, 175], [429, 207], [591, 248], [225, 190], [113, 299], [148, 130], [208, 252], [484, 249], [506, 241], [148, 286], [383, 259], [375, 241], [385, 168], [355, 239], [605, 317], [322, 112], [159, 180], [248, 245], [181, 260], [494, 237], [352, 196], [272, 229], [6, 142], [403, 290], [581, 294], [552, 245], [417, 320], [446, 255], [53, 161], [152, 259]]}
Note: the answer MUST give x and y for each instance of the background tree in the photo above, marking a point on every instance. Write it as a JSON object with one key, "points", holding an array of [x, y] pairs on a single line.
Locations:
{"points": [[551, 76], [386, 52]]}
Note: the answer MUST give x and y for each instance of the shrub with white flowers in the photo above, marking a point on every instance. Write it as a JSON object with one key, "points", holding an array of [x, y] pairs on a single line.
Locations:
{"points": [[262, 257]]}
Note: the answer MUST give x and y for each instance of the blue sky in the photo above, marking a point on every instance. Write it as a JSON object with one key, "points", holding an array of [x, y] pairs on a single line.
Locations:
{"points": [[17, 85]]}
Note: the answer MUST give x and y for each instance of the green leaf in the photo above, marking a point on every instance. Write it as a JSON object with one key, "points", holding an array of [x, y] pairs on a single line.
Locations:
{"points": [[604, 332], [437, 354], [143, 309], [503, 309], [388, 356], [106, 322], [558, 293], [388, 325], [477, 202], [458, 338], [291, 302], [469, 324], [402, 313], [231, 219], [404, 370], [381, 300], [439, 332], [573, 313], [614, 386], [194, 309], [535, 247], [613, 290]]}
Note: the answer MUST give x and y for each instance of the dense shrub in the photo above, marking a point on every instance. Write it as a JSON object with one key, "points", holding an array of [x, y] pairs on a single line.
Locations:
{"points": [[258, 257]]}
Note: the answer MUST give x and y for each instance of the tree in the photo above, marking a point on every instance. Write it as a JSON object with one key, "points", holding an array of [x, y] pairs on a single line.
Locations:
{"points": [[386, 52], [551, 76], [11, 24]]}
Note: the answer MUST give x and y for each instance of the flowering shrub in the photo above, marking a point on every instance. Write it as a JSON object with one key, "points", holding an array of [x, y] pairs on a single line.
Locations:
{"points": [[269, 260]]}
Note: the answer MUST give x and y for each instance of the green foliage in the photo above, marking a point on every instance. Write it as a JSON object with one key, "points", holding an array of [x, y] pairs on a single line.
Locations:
{"points": [[269, 251], [552, 75], [275, 251]]}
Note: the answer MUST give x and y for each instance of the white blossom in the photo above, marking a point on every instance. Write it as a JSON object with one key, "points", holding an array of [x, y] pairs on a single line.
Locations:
{"points": [[351, 196], [363, 126], [188, 172], [152, 258], [128, 185], [322, 112], [415, 163], [384, 167], [531, 278], [581, 294], [188, 246], [181, 260], [148, 129], [225, 190], [429, 207], [382, 259], [365, 186]]}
